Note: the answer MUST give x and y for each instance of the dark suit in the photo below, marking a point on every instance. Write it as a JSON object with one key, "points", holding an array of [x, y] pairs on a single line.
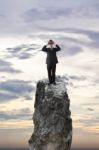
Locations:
{"points": [[51, 61]]}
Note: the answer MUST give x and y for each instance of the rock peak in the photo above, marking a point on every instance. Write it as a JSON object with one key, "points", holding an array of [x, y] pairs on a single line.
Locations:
{"points": [[52, 122]]}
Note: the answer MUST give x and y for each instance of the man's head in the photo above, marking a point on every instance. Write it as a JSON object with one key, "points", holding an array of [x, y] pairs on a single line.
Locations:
{"points": [[51, 42]]}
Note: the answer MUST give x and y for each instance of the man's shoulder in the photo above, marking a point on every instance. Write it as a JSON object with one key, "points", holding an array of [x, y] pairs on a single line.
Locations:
{"points": [[44, 46]]}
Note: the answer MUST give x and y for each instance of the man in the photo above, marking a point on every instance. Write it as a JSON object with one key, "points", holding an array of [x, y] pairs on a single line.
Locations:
{"points": [[51, 48]]}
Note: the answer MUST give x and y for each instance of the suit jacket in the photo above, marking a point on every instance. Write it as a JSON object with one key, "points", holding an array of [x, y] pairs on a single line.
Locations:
{"points": [[51, 54]]}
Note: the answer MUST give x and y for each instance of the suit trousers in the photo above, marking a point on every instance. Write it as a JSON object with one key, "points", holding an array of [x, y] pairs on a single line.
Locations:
{"points": [[51, 72]]}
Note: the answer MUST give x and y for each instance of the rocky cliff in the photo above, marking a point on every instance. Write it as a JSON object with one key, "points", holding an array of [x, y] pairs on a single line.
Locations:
{"points": [[52, 122]]}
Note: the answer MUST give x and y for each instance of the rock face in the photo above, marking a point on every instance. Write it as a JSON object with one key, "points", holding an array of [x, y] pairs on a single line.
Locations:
{"points": [[52, 122]]}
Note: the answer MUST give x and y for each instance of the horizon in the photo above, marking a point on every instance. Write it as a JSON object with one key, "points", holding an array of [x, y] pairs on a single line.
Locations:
{"points": [[28, 148], [25, 27]]}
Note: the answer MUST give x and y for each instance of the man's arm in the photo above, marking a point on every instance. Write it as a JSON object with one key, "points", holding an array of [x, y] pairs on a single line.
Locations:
{"points": [[44, 48], [57, 48]]}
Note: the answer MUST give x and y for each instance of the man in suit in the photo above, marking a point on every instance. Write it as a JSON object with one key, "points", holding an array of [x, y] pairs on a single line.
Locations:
{"points": [[51, 48]]}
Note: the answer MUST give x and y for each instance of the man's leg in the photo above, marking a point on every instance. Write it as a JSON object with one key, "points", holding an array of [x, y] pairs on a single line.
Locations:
{"points": [[53, 73], [49, 73]]}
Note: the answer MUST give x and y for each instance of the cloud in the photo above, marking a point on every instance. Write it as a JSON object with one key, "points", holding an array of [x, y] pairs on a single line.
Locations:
{"points": [[86, 12], [91, 34], [69, 45], [74, 77], [85, 119], [13, 89], [89, 122], [22, 114], [69, 79], [70, 50], [97, 97], [78, 36], [7, 96], [95, 103], [49, 13], [90, 109], [68, 10], [22, 51], [74, 50], [78, 78], [2, 16], [42, 11], [92, 11], [6, 66]]}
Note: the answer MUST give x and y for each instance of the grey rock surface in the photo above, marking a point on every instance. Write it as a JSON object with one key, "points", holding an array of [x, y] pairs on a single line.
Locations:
{"points": [[52, 121]]}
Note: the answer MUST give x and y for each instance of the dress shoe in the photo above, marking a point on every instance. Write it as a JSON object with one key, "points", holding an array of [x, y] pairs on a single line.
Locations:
{"points": [[54, 83]]}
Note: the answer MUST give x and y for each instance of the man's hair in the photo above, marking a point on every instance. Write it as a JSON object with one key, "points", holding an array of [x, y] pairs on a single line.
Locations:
{"points": [[50, 42]]}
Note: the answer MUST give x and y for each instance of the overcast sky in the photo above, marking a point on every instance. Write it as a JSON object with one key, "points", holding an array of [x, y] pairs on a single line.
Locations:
{"points": [[27, 25]]}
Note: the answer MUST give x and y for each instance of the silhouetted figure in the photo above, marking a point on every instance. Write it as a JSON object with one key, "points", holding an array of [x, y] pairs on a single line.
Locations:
{"points": [[51, 48]]}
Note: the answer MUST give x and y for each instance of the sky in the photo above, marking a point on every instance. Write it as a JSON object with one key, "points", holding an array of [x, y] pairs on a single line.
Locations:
{"points": [[27, 25]]}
